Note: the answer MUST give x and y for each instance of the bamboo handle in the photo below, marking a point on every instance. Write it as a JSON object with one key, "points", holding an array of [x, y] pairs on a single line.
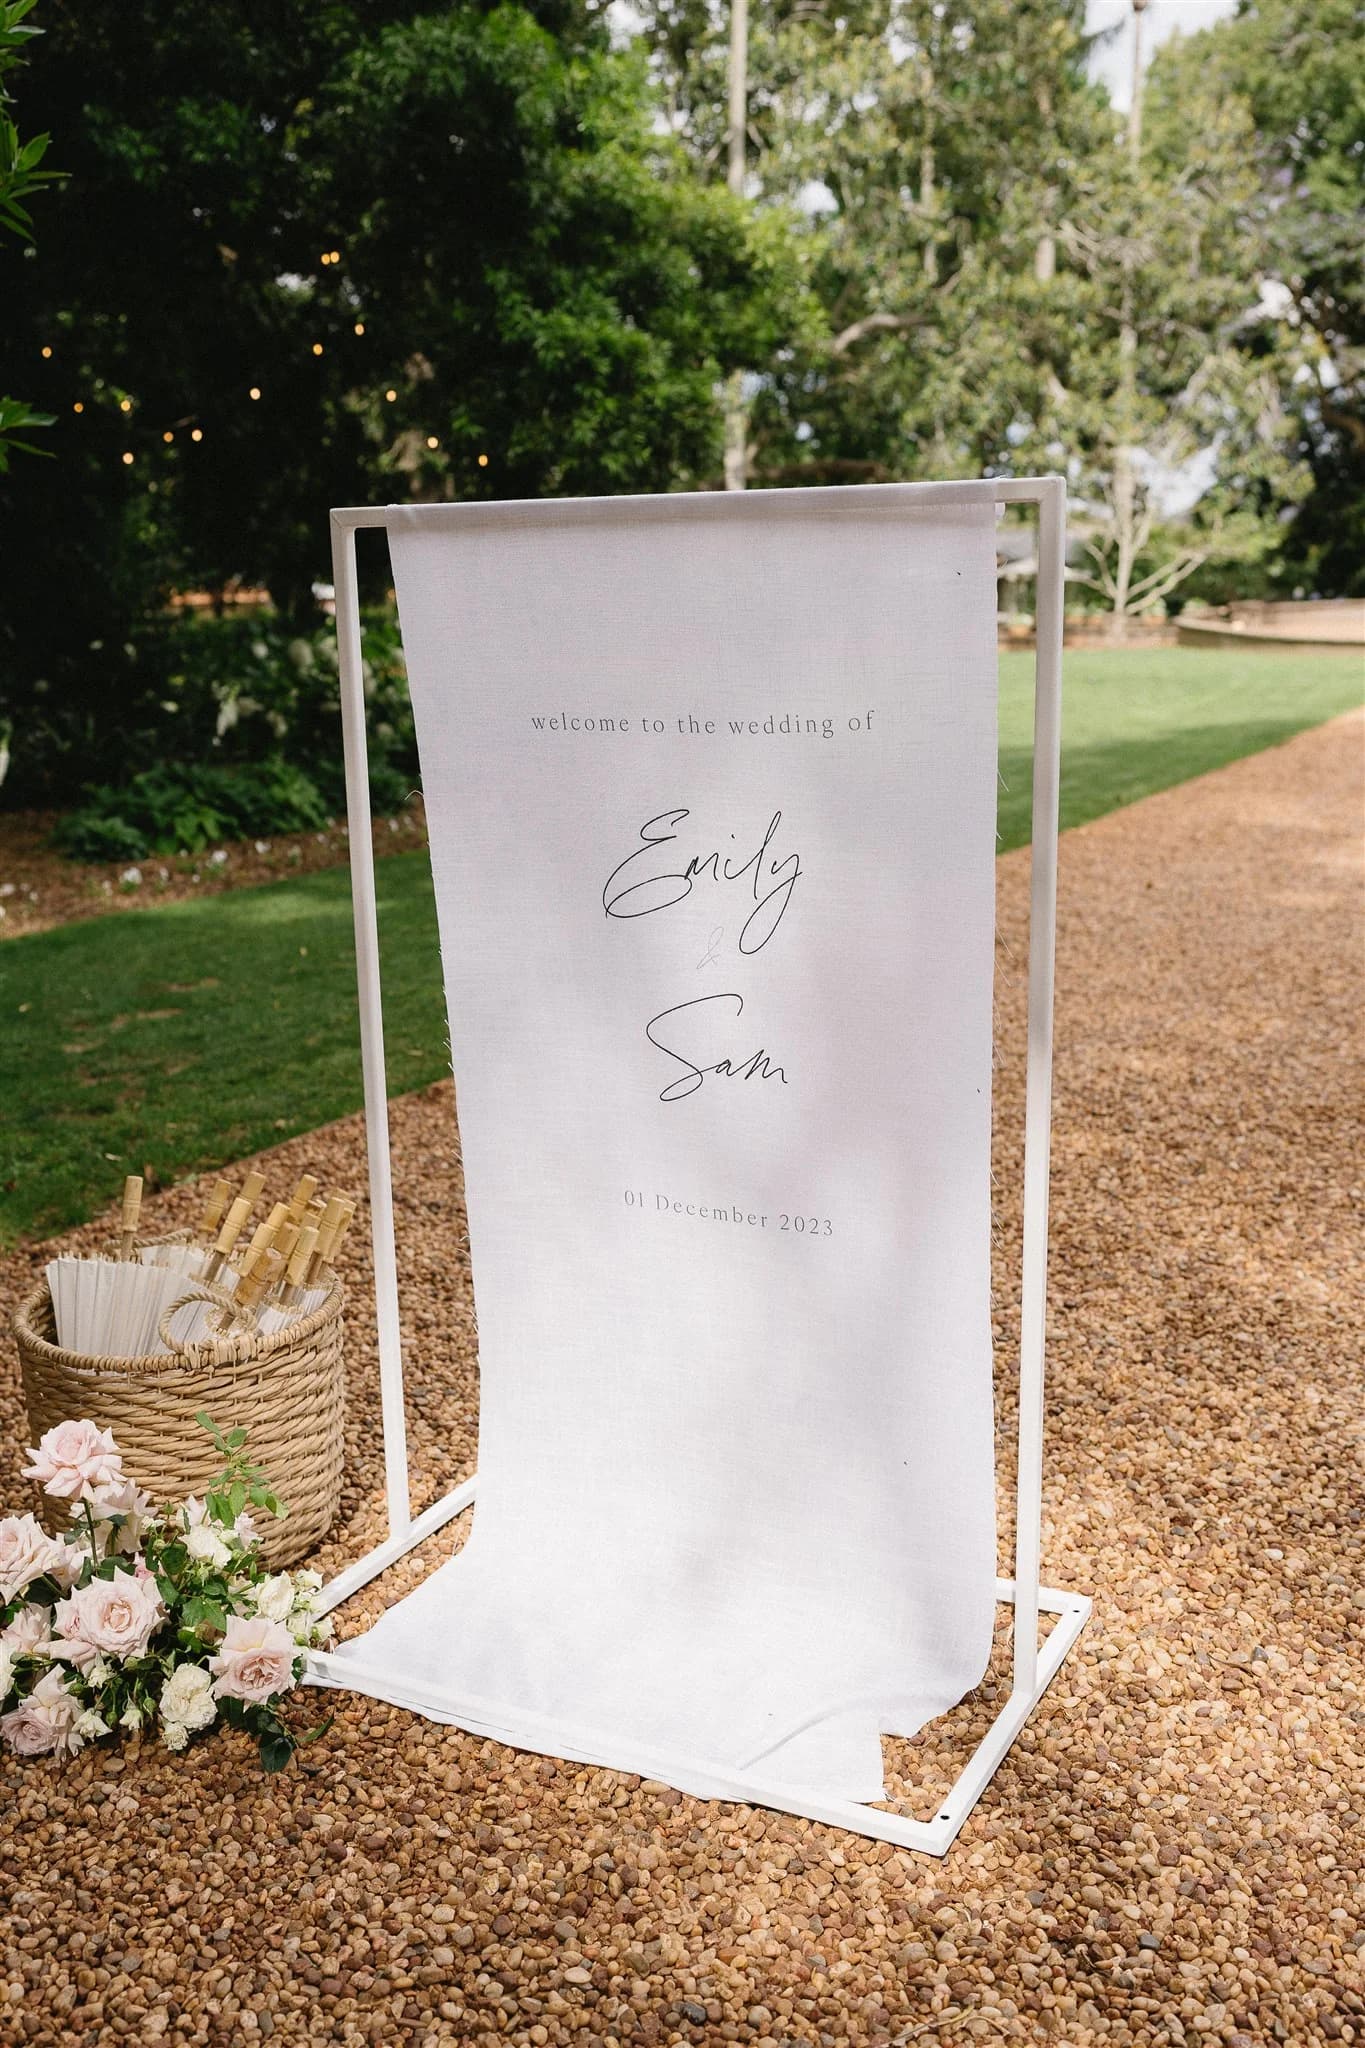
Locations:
{"points": [[327, 1233], [253, 1289], [347, 1216], [302, 1196], [132, 1209], [302, 1257], [227, 1237], [264, 1235], [213, 1213]]}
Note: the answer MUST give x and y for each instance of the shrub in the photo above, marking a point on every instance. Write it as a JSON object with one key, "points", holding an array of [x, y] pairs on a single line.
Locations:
{"points": [[200, 692], [185, 809]]}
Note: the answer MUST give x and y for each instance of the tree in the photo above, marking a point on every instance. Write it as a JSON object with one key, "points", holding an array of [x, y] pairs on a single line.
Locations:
{"points": [[1298, 67], [22, 173], [313, 255], [1168, 367], [928, 148]]}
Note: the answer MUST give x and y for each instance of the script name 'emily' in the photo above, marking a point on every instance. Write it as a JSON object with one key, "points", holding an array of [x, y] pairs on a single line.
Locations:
{"points": [[651, 878]]}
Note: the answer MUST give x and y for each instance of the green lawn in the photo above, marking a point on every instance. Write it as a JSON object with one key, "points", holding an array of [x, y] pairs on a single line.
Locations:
{"points": [[186, 1036], [1135, 723]]}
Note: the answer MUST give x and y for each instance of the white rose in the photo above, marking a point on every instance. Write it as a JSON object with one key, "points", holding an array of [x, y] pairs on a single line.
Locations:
{"points": [[30, 1630], [6, 1671], [275, 1597], [69, 1562], [27, 1553], [122, 1497], [174, 1734], [206, 1546], [187, 1698]]}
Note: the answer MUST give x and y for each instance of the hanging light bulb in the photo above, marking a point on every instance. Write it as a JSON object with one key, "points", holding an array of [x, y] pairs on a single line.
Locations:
{"points": [[432, 441], [483, 462], [127, 454], [78, 407], [360, 326], [46, 354], [125, 405], [317, 348], [391, 395], [255, 391], [168, 435], [196, 433]]}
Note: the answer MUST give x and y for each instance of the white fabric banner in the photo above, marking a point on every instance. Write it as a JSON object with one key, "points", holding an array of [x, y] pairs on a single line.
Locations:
{"points": [[711, 792]]}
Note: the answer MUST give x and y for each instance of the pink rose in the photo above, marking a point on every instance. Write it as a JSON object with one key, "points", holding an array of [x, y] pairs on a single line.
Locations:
{"points": [[73, 1459], [27, 1553], [256, 1659], [121, 1496], [109, 1618], [44, 1722], [30, 1630]]}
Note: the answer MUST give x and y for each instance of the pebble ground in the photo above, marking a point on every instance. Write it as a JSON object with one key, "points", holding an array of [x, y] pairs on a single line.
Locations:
{"points": [[1173, 1850]]}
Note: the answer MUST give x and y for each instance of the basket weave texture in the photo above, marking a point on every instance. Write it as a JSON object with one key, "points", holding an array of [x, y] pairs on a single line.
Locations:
{"points": [[287, 1390]]}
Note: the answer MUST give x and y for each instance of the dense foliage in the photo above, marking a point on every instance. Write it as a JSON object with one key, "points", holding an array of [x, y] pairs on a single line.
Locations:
{"points": [[22, 173], [309, 255], [444, 249]]}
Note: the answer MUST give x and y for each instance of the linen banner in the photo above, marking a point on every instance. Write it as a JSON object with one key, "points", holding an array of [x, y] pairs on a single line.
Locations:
{"points": [[710, 784]]}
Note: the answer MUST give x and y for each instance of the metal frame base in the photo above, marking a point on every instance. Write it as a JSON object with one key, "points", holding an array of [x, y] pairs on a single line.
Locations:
{"points": [[532, 1732]]}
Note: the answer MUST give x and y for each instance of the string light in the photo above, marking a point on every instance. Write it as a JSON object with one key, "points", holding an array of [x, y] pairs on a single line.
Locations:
{"points": [[391, 395], [336, 255], [254, 391], [127, 455], [325, 257], [432, 442], [483, 462], [47, 353]]}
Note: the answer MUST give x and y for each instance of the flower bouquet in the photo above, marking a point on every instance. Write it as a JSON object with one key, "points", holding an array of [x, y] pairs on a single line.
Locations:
{"points": [[142, 1616]]}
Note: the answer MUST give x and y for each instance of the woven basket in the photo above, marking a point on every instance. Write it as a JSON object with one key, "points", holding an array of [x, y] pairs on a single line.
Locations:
{"points": [[287, 1390]]}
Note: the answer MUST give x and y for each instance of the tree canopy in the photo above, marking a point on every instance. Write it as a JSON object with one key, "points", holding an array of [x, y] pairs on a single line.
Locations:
{"points": [[309, 254]]}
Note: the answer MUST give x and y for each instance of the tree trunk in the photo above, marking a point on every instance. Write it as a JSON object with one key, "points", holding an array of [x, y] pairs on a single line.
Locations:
{"points": [[736, 437], [1125, 475]]}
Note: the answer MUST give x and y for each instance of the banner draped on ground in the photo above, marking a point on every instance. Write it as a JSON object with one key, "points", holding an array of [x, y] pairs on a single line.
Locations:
{"points": [[710, 785]]}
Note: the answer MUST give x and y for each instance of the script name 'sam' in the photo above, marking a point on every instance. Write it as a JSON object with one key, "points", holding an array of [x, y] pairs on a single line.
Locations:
{"points": [[651, 878]]}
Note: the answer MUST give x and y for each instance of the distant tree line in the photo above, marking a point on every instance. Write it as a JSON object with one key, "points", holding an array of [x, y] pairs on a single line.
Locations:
{"points": [[303, 255]]}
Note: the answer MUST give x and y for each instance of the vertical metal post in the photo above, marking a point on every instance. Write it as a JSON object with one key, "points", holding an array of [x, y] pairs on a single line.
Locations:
{"points": [[1047, 739], [371, 1025]]}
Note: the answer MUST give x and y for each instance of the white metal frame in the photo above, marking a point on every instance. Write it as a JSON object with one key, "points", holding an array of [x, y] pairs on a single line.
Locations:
{"points": [[1035, 1665]]}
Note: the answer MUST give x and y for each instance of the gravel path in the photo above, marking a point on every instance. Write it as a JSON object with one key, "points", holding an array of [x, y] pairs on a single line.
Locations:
{"points": [[1173, 1850]]}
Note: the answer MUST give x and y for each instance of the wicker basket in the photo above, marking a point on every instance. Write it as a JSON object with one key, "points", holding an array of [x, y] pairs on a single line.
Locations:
{"points": [[287, 1390]]}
